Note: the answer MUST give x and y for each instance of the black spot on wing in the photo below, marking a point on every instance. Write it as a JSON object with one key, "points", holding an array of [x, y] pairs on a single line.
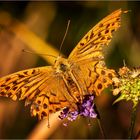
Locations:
{"points": [[20, 76], [99, 86], [100, 25], [33, 71], [45, 105], [7, 79]]}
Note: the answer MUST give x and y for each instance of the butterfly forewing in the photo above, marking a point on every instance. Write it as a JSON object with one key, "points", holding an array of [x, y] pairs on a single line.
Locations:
{"points": [[39, 87], [11, 84], [91, 44]]}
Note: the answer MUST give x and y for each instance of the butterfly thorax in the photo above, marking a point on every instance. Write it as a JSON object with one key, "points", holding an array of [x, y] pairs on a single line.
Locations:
{"points": [[61, 65]]}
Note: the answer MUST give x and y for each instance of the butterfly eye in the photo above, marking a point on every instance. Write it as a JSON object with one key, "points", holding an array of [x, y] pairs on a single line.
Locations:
{"points": [[63, 67]]}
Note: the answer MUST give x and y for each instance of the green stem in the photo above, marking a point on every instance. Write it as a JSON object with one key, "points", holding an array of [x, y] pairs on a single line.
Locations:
{"points": [[100, 123], [101, 128], [133, 119]]}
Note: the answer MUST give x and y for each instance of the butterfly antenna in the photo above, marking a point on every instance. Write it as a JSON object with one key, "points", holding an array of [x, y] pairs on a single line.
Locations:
{"points": [[64, 36], [38, 53]]}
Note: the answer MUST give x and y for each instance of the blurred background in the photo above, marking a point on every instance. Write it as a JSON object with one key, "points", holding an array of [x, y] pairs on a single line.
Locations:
{"points": [[40, 27]]}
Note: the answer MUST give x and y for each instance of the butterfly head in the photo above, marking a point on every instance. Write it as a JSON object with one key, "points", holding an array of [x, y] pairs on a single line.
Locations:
{"points": [[61, 65]]}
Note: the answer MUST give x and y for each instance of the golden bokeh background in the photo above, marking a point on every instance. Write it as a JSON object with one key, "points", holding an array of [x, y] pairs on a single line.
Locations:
{"points": [[39, 27]]}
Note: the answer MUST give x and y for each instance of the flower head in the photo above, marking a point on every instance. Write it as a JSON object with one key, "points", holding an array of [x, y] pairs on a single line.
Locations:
{"points": [[128, 84], [85, 109]]}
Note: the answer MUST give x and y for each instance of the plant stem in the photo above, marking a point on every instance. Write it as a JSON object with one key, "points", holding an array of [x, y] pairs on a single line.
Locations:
{"points": [[100, 123], [101, 128], [133, 119]]}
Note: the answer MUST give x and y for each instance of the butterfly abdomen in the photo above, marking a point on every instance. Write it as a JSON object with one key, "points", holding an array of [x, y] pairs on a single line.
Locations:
{"points": [[71, 87]]}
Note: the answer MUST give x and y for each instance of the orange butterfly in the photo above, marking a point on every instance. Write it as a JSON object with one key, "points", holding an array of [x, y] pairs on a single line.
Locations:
{"points": [[51, 88]]}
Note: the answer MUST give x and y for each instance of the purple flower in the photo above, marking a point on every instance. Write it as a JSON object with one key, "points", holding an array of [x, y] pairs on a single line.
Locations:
{"points": [[85, 109]]}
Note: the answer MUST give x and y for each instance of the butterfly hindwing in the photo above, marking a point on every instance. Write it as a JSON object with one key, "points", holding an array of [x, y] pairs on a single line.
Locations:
{"points": [[53, 97]]}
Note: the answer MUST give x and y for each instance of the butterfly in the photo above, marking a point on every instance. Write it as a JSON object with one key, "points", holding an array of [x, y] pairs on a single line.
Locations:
{"points": [[49, 89]]}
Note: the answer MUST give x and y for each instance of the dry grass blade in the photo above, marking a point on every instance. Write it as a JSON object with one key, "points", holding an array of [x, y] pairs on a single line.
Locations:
{"points": [[45, 131], [34, 42], [28, 37]]}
